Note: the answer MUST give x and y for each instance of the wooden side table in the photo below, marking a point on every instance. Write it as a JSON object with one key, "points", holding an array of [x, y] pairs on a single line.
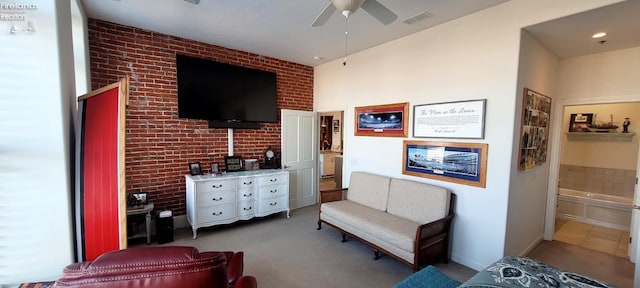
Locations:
{"points": [[146, 209]]}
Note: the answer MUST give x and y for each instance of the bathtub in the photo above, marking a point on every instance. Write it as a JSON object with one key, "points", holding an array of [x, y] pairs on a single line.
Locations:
{"points": [[593, 208]]}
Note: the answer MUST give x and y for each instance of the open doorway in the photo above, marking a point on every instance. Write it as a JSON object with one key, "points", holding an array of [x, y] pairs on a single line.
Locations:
{"points": [[331, 147], [597, 174]]}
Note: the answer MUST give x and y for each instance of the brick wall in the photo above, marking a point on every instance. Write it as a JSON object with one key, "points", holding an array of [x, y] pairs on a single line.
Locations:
{"points": [[159, 144]]}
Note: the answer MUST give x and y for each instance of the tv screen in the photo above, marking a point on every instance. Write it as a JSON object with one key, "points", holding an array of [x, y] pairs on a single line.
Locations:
{"points": [[215, 91]]}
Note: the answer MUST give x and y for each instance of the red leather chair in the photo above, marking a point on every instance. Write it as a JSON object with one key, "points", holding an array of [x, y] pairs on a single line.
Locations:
{"points": [[164, 266]]}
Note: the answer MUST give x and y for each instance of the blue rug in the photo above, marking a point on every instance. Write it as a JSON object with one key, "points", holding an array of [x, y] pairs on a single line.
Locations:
{"points": [[429, 277]]}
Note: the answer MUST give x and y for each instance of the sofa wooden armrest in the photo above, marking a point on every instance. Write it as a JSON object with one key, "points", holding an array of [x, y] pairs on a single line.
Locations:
{"points": [[332, 195], [432, 240]]}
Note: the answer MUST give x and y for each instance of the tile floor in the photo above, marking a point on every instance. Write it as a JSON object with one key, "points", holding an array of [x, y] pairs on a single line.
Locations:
{"points": [[593, 237]]}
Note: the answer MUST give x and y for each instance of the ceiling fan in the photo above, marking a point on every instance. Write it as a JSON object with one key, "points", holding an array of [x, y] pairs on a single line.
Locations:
{"points": [[347, 7]]}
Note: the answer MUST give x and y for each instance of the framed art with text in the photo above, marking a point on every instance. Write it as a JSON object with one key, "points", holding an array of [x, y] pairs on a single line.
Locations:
{"points": [[390, 120], [534, 130], [461, 119], [462, 163]]}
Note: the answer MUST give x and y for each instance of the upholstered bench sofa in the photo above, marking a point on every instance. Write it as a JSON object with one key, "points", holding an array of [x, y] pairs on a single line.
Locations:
{"points": [[405, 219]]}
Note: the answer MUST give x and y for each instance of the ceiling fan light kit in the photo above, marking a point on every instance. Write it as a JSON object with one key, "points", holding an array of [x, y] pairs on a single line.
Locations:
{"points": [[348, 7]]}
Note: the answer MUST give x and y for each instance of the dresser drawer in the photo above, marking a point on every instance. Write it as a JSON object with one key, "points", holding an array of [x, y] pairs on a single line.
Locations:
{"points": [[215, 198], [274, 191], [273, 179], [247, 182], [246, 195], [272, 204], [216, 213], [216, 185], [246, 208]]}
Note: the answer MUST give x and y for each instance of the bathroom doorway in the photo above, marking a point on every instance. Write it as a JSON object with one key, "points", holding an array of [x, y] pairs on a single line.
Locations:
{"points": [[331, 147], [596, 176]]}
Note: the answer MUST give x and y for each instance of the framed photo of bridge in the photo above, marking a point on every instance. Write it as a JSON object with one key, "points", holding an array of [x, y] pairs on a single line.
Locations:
{"points": [[462, 163], [390, 120]]}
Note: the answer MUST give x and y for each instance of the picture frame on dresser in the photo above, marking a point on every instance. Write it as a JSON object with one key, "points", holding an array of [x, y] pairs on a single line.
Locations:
{"points": [[195, 168]]}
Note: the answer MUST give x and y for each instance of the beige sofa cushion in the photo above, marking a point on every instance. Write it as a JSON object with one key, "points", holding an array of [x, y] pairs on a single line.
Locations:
{"points": [[418, 202], [368, 189], [393, 230]]}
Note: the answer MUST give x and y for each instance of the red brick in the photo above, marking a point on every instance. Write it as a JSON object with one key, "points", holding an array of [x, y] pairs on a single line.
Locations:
{"points": [[158, 143]]}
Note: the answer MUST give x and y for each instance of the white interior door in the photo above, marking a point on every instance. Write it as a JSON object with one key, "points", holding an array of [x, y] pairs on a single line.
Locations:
{"points": [[634, 245], [300, 156]]}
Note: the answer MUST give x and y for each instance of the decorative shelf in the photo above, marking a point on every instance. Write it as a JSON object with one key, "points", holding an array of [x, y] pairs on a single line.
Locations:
{"points": [[596, 136]]}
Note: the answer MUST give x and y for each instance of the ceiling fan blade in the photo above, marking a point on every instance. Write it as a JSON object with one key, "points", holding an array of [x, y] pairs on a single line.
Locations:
{"points": [[380, 12], [324, 15]]}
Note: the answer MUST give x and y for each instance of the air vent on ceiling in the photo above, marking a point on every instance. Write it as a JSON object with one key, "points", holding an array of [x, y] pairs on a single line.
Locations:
{"points": [[193, 1], [418, 17]]}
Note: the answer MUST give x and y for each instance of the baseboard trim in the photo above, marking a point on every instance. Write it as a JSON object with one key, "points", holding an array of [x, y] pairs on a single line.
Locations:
{"points": [[180, 222], [530, 248]]}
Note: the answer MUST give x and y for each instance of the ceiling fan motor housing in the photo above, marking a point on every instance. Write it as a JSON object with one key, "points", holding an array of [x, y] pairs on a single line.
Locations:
{"points": [[347, 7]]}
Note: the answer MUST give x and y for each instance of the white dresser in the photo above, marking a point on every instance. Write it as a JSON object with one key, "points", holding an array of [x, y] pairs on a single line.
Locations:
{"points": [[227, 198]]}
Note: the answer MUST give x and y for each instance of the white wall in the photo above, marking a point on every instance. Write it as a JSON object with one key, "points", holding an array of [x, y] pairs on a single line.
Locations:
{"points": [[528, 190], [475, 57], [603, 77], [37, 88]]}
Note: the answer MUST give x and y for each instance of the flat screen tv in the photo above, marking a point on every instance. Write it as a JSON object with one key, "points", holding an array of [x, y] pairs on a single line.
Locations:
{"points": [[225, 94]]}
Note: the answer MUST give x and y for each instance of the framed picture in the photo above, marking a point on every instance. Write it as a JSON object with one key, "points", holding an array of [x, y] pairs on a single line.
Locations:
{"points": [[534, 135], [461, 119], [336, 126], [232, 163], [137, 199], [580, 122], [462, 163], [382, 120], [194, 168]]}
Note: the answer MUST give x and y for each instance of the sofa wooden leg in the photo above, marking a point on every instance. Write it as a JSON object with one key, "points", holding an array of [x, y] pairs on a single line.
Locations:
{"points": [[319, 225], [344, 237], [376, 254]]}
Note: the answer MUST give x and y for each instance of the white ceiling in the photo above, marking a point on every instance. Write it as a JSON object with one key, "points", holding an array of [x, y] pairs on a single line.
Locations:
{"points": [[278, 28], [571, 36], [282, 28]]}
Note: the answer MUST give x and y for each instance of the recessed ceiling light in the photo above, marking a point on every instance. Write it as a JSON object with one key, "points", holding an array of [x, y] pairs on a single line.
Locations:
{"points": [[599, 35]]}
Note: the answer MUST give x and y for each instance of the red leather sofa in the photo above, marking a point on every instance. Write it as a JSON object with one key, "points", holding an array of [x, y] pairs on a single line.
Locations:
{"points": [[163, 266]]}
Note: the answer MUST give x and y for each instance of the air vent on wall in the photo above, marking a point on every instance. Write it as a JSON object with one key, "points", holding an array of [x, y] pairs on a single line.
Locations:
{"points": [[418, 17]]}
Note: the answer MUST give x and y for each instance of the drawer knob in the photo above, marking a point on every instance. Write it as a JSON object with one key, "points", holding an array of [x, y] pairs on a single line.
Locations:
{"points": [[247, 195], [273, 180], [216, 186], [273, 204], [217, 199], [247, 183], [216, 214], [247, 209], [273, 191]]}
